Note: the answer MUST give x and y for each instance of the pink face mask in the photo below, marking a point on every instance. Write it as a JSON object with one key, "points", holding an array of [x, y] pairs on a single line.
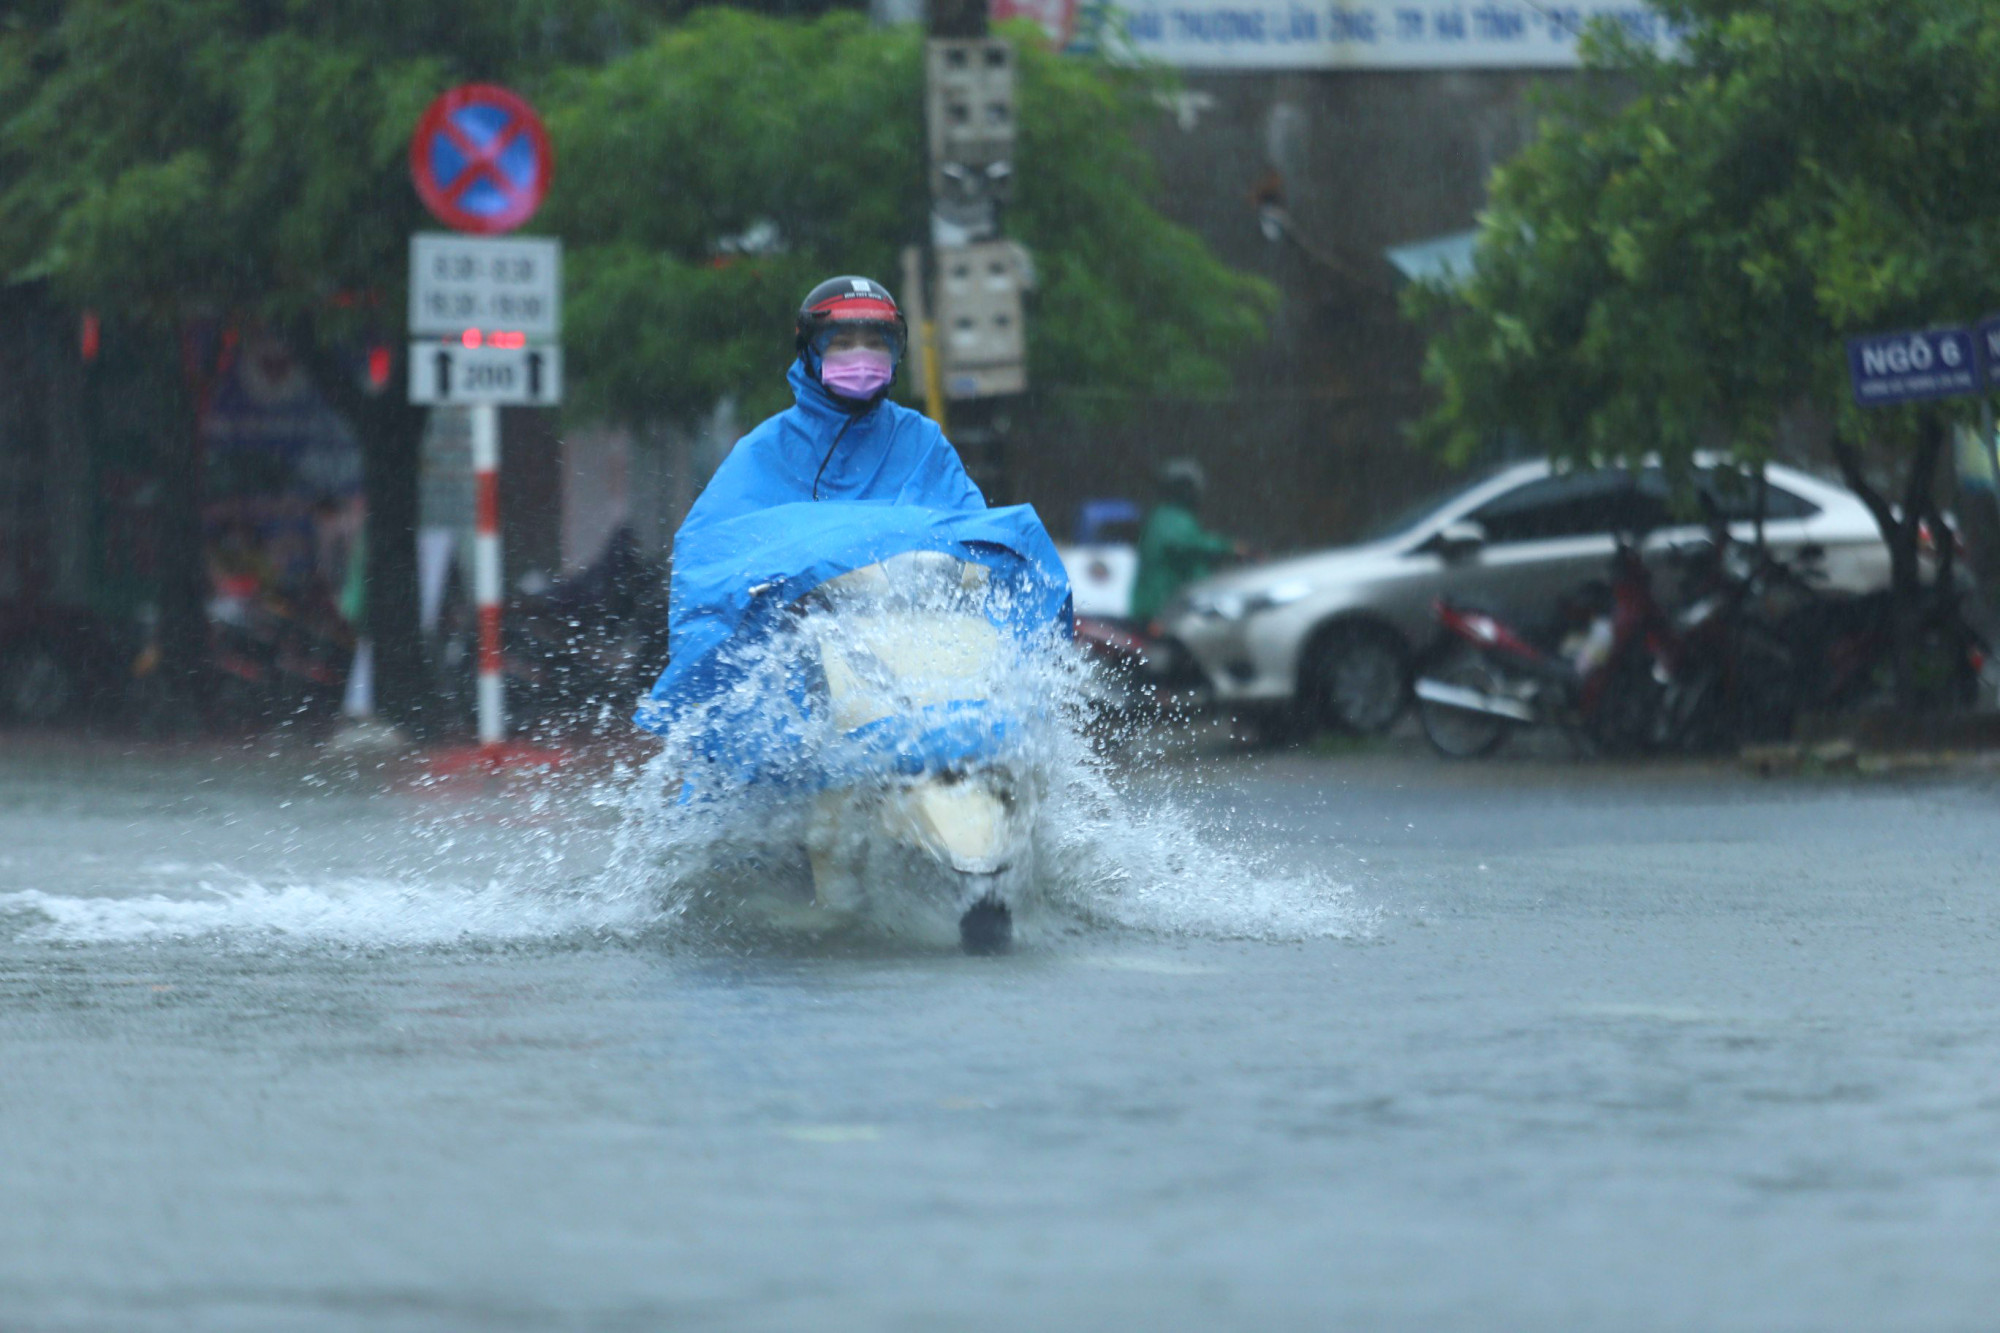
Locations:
{"points": [[855, 373]]}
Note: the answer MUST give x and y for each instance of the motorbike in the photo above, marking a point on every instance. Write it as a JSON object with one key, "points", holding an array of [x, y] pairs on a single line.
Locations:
{"points": [[1136, 673], [1592, 673], [272, 657], [1761, 640], [1729, 672], [584, 642], [880, 672], [922, 785], [1846, 647]]}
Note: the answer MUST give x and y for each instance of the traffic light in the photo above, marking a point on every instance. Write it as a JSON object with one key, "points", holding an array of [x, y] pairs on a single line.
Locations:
{"points": [[378, 366]]}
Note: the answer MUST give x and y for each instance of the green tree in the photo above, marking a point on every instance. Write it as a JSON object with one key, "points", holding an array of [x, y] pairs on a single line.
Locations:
{"points": [[1676, 261], [185, 162], [189, 162], [737, 159]]}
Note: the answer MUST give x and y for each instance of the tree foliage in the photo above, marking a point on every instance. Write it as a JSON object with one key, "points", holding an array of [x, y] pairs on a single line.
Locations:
{"points": [[241, 161], [737, 159], [1677, 259], [244, 161], [159, 157]]}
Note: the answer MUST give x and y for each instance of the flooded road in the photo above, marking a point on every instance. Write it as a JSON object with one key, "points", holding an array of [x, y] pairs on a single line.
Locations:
{"points": [[1521, 1046]]}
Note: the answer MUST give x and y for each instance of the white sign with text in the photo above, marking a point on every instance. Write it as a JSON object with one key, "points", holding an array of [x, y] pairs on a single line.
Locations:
{"points": [[1371, 34], [509, 284]]}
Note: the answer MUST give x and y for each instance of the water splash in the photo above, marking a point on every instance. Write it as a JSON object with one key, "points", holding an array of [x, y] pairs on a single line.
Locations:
{"points": [[646, 856], [354, 913], [433, 864], [1114, 846]]}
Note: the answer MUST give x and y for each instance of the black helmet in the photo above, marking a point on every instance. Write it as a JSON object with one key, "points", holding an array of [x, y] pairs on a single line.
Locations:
{"points": [[851, 301], [1183, 481]]}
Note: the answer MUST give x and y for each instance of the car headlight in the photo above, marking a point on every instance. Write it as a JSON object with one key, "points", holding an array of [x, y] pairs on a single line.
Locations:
{"points": [[1278, 594], [1239, 605]]}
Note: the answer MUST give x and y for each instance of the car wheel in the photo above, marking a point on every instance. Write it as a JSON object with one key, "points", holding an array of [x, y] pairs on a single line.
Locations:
{"points": [[1358, 679], [37, 686]]}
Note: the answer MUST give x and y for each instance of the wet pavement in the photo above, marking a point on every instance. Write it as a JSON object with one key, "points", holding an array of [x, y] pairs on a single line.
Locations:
{"points": [[1360, 1041]]}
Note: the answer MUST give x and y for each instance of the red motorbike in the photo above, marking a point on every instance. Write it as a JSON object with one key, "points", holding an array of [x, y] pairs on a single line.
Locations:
{"points": [[1134, 672], [1595, 673]]}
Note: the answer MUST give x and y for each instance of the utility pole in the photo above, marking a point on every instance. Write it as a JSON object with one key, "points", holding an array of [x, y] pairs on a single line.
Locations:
{"points": [[974, 355], [963, 20]]}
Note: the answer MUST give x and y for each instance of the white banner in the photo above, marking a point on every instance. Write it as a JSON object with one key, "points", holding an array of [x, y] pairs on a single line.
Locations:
{"points": [[1370, 34]]}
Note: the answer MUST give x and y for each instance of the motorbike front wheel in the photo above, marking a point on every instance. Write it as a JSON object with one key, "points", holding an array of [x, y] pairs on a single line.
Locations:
{"points": [[986, 928], [1462, 733]]}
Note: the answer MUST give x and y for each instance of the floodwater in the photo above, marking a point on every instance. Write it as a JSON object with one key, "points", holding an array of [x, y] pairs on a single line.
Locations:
{"points": [[1305, 1043]]}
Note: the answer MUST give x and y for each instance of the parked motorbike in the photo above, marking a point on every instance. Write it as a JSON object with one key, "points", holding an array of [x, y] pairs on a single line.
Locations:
{"points": [[271, 657], [1135, 673], [1730, 673], [575, 654], [1761, 640], [1846, 649], [1751, 642], [1591, 673]]}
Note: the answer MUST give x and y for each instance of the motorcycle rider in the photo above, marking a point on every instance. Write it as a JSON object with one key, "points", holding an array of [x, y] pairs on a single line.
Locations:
{"points": [[842, 439], [1174, 548]]}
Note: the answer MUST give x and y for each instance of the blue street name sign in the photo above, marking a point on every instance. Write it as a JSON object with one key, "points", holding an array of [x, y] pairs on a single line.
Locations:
{"points": [[1909, 367]]}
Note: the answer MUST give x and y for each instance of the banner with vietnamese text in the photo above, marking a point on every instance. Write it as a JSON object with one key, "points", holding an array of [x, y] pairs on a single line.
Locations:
{"points": [[1369, 34]]}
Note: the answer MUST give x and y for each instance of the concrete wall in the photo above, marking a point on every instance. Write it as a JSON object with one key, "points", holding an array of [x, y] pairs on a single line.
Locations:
{"points": [[1311, 449]]}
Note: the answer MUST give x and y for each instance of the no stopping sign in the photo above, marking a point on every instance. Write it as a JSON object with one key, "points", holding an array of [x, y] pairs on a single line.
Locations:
{"points": [[481, 159]]}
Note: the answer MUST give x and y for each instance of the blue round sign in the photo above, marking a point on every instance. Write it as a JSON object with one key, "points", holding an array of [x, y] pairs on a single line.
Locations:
{"points": [[481, 159]]}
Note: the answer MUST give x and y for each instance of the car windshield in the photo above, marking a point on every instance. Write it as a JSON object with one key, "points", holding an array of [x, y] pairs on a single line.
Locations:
{"points": [[1415, 515]]}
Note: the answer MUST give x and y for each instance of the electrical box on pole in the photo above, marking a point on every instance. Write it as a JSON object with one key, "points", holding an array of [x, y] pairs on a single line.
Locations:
{"points": [[976, 356], [970, 112], [981, 340]]}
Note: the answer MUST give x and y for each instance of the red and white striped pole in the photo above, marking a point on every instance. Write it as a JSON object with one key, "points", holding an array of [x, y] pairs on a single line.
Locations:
{"points": [[486, 569]]}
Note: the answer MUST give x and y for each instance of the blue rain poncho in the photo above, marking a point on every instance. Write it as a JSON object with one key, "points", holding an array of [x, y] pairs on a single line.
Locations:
{"points": [[888, 454], [756, 541]]}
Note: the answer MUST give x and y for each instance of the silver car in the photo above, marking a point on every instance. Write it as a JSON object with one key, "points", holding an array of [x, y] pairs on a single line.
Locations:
{"points": [[1330, 638]]}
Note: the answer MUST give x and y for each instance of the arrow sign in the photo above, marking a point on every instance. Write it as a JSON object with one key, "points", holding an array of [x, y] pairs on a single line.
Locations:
{"points": [[451, 374], [1887, 368], [481, 159]]}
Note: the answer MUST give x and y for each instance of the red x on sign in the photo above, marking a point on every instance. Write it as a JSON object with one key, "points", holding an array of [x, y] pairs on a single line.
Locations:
{"points": [[481, 159]]}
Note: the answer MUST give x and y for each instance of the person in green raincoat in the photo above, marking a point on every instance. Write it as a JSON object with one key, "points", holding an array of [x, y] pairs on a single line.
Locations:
{"points": [[1174, 548]]}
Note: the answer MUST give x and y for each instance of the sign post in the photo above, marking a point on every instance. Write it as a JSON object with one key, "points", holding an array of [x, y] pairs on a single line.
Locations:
{"points": [[485, 312], [1989, 348], [486, 570], [1922, 364]]}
